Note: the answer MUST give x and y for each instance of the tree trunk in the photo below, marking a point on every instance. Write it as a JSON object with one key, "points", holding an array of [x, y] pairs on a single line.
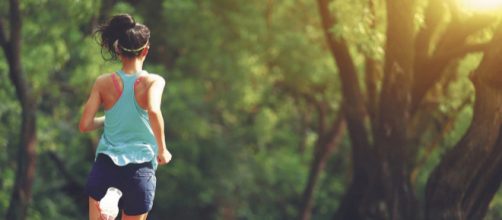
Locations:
{"points": [[463, 184], [325, 145], [25, 173], [391, 137]]}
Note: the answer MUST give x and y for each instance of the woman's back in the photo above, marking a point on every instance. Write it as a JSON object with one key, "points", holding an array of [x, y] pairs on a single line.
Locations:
{"points": [[127, 136]]}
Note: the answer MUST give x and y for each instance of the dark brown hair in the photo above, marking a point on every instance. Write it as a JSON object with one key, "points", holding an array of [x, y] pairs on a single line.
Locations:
{"points": [[122, 32]]}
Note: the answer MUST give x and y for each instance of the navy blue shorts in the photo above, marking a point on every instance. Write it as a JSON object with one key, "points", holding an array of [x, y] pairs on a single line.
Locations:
{"points": [[136, 181]]}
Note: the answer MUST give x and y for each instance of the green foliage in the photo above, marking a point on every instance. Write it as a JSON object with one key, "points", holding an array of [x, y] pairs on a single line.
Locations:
{"points": [[237, 77]]}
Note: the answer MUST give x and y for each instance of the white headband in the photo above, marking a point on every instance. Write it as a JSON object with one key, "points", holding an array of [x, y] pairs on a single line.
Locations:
{"points": [[131, 50]]}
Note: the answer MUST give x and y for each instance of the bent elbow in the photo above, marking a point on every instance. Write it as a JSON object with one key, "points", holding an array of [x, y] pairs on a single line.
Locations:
{"points": [[83, 128], [154, 112]]}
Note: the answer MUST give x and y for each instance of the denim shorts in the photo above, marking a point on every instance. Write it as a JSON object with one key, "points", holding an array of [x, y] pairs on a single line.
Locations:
{"points": [[136, 181]]}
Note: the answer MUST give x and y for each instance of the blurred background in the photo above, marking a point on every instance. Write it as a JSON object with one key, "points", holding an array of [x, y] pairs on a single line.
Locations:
{"points": [[274, 109]]}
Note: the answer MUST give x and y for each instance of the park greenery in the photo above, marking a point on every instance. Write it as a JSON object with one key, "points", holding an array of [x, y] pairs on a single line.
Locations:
{"points": [[274, 109]]}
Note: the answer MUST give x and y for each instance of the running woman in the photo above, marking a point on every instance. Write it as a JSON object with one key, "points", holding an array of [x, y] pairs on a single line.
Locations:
{"points": [[132, 144]]}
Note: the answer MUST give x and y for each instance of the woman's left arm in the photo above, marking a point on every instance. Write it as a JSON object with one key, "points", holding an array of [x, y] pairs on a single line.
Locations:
{"points": [[89, 122]]}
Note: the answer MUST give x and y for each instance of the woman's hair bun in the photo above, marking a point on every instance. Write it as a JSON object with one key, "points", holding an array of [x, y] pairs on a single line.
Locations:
{"points": [[122, 22]]}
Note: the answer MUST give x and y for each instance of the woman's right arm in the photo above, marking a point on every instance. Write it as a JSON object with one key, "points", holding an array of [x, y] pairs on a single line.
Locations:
{"points": [[156, 119], [89, 122]]}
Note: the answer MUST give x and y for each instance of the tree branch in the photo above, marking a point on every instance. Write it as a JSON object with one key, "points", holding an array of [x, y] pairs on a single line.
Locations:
{"points": [[3, 37], [353, 97], [433, 14], [459, 52], [447, 127], [458, 31], [451, 45], [63, 170], [354, 110], [15, 24], [372, 74], [325, 145], [12, 52]]}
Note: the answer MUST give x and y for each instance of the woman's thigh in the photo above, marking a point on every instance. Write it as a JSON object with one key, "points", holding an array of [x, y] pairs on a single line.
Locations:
{"points": [[104, 174], [139, 190]]}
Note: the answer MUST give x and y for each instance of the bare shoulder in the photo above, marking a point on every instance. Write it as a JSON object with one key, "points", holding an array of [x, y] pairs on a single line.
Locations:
{"points": [[103, 80], [155, 78], [104, 77]]}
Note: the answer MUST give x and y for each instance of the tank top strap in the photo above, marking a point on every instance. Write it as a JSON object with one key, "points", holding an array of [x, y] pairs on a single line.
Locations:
{"points": [[128, 81]]}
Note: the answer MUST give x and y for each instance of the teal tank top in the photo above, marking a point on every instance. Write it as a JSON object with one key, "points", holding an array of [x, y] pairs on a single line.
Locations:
{"points": [[128, 136]]}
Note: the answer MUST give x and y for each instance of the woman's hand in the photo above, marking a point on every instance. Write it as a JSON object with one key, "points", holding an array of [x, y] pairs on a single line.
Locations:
{"points": [[164, 157]]}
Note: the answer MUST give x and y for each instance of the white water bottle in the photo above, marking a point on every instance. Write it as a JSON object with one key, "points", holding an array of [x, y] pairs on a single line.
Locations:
{"points": [[109, 204]]}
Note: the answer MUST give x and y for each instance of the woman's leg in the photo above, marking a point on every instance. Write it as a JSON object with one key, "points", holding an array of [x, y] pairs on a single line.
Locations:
{"points": [[103, 175], [138, 191], [134, 217], [93, 209]]}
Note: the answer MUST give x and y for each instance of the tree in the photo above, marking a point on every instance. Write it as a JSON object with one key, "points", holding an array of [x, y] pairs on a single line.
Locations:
{"points": [[469, 175], [25, 175], [385, 152]]}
